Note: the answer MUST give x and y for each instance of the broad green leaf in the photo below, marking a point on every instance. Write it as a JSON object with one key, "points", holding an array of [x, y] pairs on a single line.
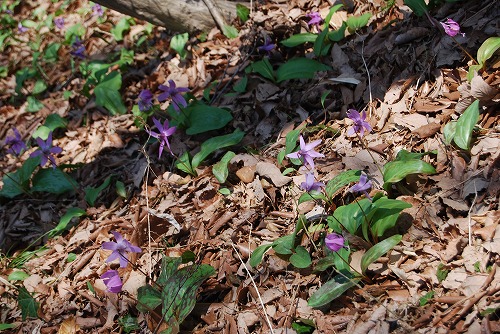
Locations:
{"points": [[27, 304], [339, 34], [441, 272], [290, 144], [374, 253], [108, 95], [404, 155], [299, 39], [220, 170], [328, 17], [224, 191], [33, 104], [126, 57], [41, 132], [465, 125], [184, 164], [74, 30], [122, 26], [331, 290], [320, 47], [91, 193], [386, 214], [449, 132], [419, 7], [350, 216], [242, 12], [395, 171], [488, 49], [120, 189], [472, 71], [311, 196], [258, 254], [215, 143], [284, 245], [230, 31], [65, 219], [426, 298], [40, 87], [17, 275], [264, 68], [241, 85], [288, 171], [299, 68], [169, 266], [178, 43], [148, 298], [356, 22], [71, 257], [54, 121], [203, 118], [7, 326], [340, 181], [51, 52], [53, 181], [17, 183], [301, 258]]}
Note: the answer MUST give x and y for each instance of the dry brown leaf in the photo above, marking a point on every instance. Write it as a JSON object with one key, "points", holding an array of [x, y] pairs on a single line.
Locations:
{"points": [[69, 326]]}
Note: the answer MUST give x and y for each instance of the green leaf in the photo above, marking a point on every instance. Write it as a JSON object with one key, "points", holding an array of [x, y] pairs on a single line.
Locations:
{"points": [[126, 57], [242, 12], [290, 143], [258, 254], [301, 258], [129, 323], [488, 49], [71, 257], [148, 298], [404, 155], [386, 214], [299, 68], [323, 97], [40, 87], [331, 290], [7, 326], [395, 171], [299, 39], [33, 104], [54, 121], [118, 30], [339, 34], [41, 132], [203, 118], [419, 7], [225, 191], [184, 164], [264, 68], [51, 52], [449, 132], [375, 252], [441, 272], [284, 245], [108, 95], [91, 193], [340, 181], [356, 22], [311, 196], [74, 30], [17, 275], [27, 304], [17, 183], [215, 143], [178, 43], [241, 85], [230, 31], [53, 181], [64, 221], [120, 189], [330, 14], [320, 48], [465, 125], [350, 216], [425, 298], [288, 171], [220, 170]]}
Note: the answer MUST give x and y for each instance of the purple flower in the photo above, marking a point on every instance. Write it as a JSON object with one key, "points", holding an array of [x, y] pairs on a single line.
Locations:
{"points": [[451, 28], [315, 19], [45, 150], [145, 100], [21, 29], [267, 47], [112, 281], [362, 186], [78, 48], [17, 145], [97, 9], [359, 123], [59, 22], [174, 93], [334, 242], [120, 249], [310, 185], [307, 152], [162, 136]]}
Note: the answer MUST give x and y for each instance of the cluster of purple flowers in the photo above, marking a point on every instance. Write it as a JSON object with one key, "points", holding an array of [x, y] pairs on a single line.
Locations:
{"points": [[120, 250]]}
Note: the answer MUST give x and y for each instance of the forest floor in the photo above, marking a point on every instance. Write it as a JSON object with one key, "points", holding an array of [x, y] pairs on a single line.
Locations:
{"points": [[406, 74]]}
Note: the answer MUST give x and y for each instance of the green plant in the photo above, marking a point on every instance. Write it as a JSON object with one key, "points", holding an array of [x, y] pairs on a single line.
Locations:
{"points": [[460, 131]]}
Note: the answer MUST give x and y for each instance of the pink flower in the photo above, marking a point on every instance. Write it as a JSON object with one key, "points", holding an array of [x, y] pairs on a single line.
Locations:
{"points": [[112, 281], [362, 186], [164, 132], [360, 123], [310, 185], [307, 152], [315, 19], [334, 242], [120, 249], [451, 28], [170, 91]]}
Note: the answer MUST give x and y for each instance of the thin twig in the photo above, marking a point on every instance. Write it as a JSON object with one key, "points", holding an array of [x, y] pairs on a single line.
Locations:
{"points": [[470, 212], [216, 13]]}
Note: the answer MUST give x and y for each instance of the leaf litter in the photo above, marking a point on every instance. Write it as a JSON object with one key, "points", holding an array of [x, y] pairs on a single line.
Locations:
{"points": [[451, 232]]}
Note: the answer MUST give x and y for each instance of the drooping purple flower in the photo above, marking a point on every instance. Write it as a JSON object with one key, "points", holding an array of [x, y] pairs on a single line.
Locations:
{"points": [[334, 242], [451, 28], [310, 185], [362, 186], [97, 9], [112, 281], [120, 249], [21, 29], [164, 132], [17, 145], [78, 49], [360, 125], [315, 19], [307, 152], [45, 150], [171, 91], [267, 47], [59, 22], [145, 100]]}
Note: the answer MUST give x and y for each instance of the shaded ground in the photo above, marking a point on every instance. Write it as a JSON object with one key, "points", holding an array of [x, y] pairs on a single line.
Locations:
{"points": [[415, 84]]}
